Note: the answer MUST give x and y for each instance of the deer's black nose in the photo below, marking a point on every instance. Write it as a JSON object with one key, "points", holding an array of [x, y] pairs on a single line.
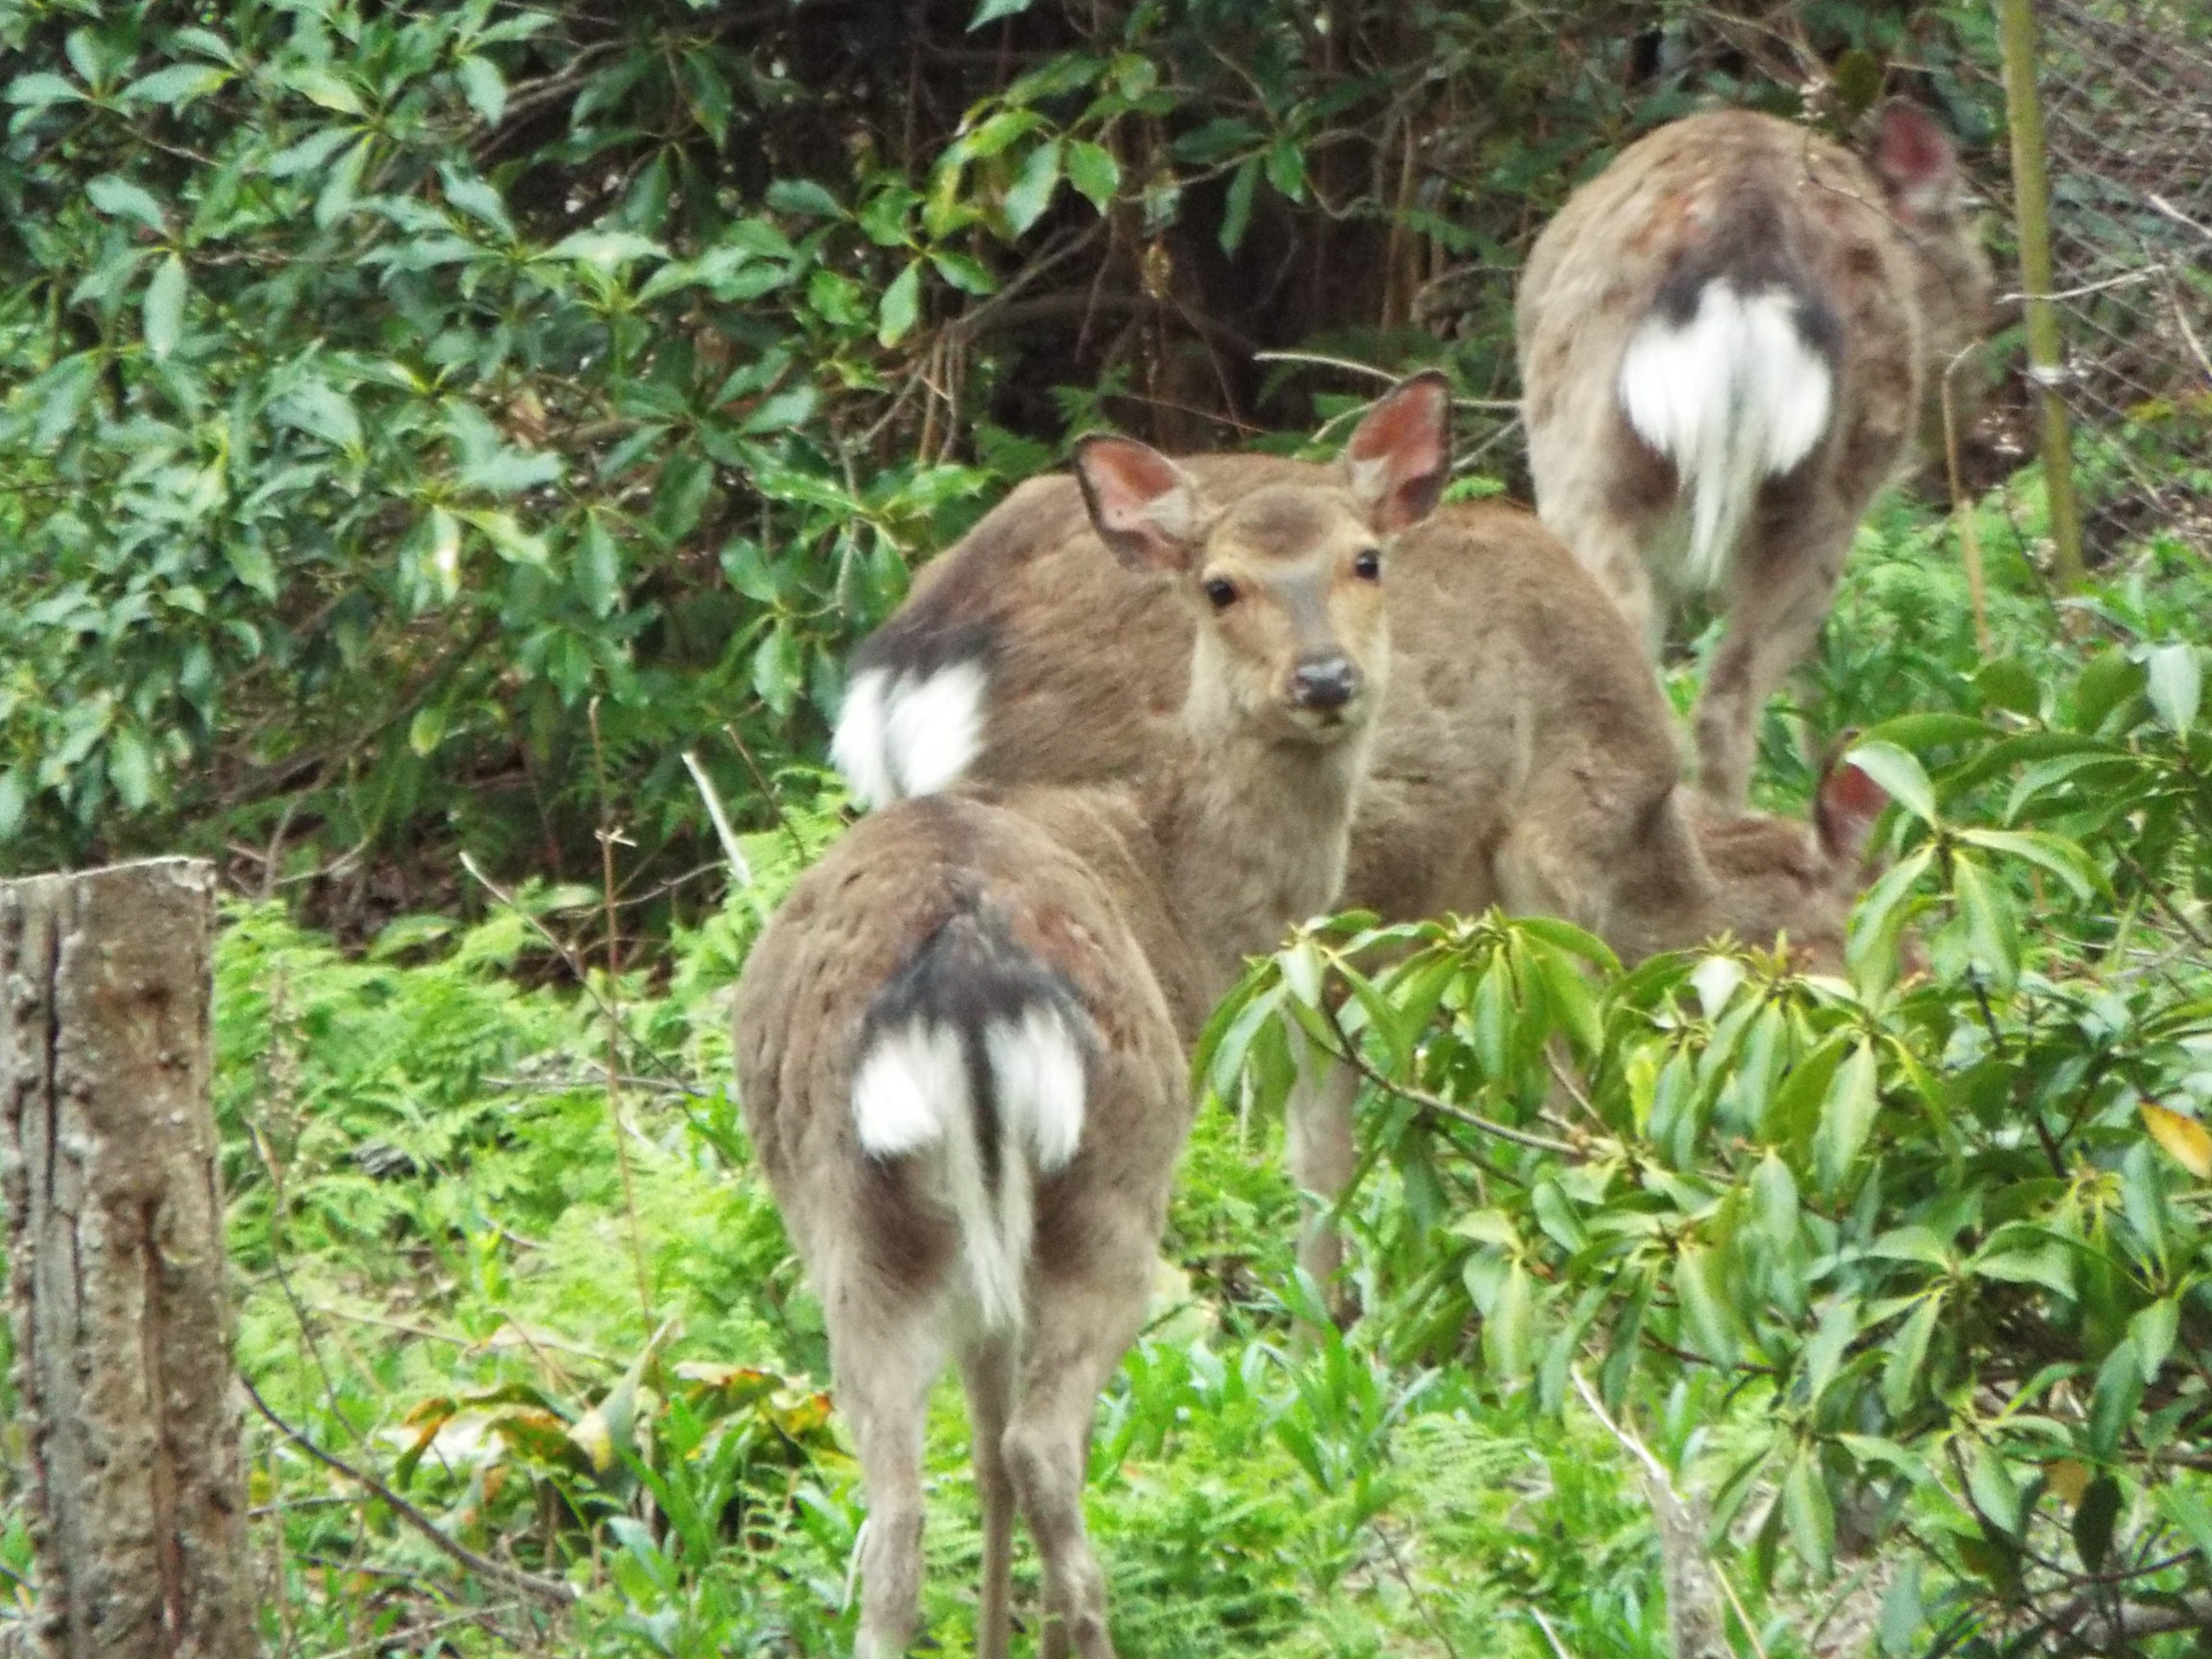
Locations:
{"points": [[1324, 682]]}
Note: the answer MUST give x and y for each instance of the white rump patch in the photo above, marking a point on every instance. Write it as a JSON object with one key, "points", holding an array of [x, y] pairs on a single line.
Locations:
{"points": [[910, 1084], [1732, 397], [856, 746], [1038, 1067], [901, 735]]}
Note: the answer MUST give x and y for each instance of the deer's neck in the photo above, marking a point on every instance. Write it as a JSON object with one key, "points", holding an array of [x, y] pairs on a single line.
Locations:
{"points": [[1252, 831]]}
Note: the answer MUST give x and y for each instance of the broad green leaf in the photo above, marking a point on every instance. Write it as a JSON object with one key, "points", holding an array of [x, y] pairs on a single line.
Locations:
{"points": [[1509, 1331], [803, 197], [38, 89], [121, 198], [1287, 169], [598, 567], [1991, 918], [336, 198], [164, 308], [1908, 1353], [427, 729], [178, 84], [1094, 171], [969, 276], [130, 766], [14, 802], [2152, 1331], [1847, 1112], [1774, 1193], [1810, 1513], [1706, 1317], [1898, 772], [606, 251], [484, 86], [2175, 680], [1989, 1482], [2112, 1405], [2188, 1509], [901, 306], [2061, 858], [1031, 191]]}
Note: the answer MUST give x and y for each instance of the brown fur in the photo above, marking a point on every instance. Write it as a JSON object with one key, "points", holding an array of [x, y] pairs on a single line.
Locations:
{"points": [[1136, 899], [1886, 257]]}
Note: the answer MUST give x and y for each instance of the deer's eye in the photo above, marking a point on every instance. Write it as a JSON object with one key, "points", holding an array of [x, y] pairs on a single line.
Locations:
{"points": [[1220, 593], [1368, 565]]}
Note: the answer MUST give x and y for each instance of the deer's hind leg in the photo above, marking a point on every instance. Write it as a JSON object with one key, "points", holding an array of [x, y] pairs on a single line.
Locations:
{"points": [[886, 1349]]}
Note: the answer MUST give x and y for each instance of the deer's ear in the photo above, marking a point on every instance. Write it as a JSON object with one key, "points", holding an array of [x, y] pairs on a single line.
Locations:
{"points": [[1845, 812], [1915, 158], [1146, 508], [1401, 452]]}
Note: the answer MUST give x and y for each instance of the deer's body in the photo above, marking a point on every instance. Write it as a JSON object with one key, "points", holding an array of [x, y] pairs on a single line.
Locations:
{"points": [[961, 1042], [1729, 340]]}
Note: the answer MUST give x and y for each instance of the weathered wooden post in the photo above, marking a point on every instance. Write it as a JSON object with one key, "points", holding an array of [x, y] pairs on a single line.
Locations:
{"points": [[116, 1264]]}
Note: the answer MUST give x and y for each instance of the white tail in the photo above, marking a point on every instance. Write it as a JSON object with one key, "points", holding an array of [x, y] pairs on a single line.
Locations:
{"points": [[996, 1106], [908, 733], [1733, 396]]}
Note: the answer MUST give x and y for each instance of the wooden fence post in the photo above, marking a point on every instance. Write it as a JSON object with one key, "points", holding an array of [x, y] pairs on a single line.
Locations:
{"points": [[116, 1264]]}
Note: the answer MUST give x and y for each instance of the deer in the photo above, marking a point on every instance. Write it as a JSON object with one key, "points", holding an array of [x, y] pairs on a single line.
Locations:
{"points": [[962, 1040], [1526, 755], [1729, 341]]}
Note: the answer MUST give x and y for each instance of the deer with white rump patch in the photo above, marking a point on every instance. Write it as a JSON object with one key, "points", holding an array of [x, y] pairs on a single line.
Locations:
{"points": [[1729, 340], [962, 1041]]}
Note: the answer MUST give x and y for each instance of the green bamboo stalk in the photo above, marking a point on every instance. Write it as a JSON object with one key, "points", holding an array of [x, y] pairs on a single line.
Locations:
{"points": [[2031, 203]]}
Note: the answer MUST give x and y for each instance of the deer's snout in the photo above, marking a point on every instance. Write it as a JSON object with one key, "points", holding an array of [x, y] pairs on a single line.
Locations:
{"points": [[1323, 684]]}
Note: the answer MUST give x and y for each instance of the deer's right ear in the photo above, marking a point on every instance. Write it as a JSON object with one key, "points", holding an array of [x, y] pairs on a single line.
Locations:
{"points": [[1401, 452], [1845, 812], [1916, 161], [1145, 508]]}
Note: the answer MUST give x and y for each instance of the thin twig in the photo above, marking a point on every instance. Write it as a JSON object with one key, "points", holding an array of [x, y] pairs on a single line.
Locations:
{"points": [[739, 870], [547, 1589], [1351, 1056], [1549, 1635], [1963, 508], [1368, 369], [1428, 1613]]}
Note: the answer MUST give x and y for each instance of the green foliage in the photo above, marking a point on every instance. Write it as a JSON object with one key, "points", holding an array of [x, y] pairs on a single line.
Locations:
{"points": [[1943, 1221]]}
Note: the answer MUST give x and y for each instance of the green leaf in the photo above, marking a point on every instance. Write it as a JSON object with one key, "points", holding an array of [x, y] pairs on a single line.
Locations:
{"points": [[1287, 169], [598, 567], [1709, 1323], [803, 197], [1237, 210], [1775, 1193], [969, 276], [1989, 1482], [14, 802], [2176, 681], [1094, 171], [427, 729], [121, 198], [1811, 1514], [606, 250], [484, 86], [1508, 1330], [178, 84], [775, 669], [2152, 1331], [2093, 1520], [164, 308], [130, 766], [1031, 191], [1898, 772], [2187, 1509], [1847, 1113], [1908, 1352], [991, 11], [1992, 922], [336, 198], [2112, 1405], [251, 563], [38, 90], [901, 306], [2061, 858]]}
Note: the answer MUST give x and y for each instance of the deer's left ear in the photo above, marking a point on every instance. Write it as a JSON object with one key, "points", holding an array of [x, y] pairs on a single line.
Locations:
{"points": [[1401, 452], [1915, 158]]}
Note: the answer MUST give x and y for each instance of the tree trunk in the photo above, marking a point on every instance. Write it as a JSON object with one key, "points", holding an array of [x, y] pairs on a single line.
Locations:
{"points": [[115, 1257]]}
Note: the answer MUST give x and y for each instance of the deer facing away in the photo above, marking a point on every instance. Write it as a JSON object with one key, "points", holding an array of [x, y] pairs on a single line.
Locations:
{"points": [[1526, 754], [961, 1042], [1729, 340]]}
